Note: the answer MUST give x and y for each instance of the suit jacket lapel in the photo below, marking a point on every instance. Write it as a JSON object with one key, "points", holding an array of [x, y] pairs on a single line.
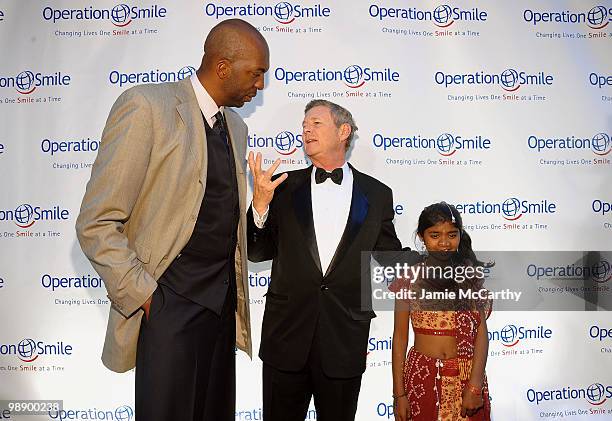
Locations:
{"points": [[238, 147], [237, 139], [190, 113], [357, 215], [302, 206]]}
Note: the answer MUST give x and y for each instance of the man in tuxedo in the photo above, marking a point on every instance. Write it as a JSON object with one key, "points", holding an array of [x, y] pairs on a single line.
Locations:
{"points": [[163, 223], [314, 223]]}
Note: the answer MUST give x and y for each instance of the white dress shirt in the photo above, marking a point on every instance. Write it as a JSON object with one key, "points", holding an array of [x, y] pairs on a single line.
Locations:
{"points": [[207, 104], [331, 205]]}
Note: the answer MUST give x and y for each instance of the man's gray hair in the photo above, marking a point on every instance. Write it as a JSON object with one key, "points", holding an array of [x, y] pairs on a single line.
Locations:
{"points": [[340, 115]]}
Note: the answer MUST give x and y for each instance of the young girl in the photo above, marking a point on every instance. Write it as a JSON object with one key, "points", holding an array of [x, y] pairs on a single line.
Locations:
{"points": [[443, 375]]}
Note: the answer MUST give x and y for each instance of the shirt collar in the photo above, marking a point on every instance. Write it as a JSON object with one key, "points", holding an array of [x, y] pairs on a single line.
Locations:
{"points": [[207, 105]]}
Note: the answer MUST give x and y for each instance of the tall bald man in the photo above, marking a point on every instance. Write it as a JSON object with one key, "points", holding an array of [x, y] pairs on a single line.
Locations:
{"points": [[163, 223]]}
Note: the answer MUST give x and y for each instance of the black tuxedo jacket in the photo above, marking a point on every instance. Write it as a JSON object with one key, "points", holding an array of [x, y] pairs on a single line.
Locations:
{"points": [[302, 299]]}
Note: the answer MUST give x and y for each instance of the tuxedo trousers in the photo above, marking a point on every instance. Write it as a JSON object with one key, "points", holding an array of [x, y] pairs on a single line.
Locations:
{"points": [[185, 361], [287, 394]]}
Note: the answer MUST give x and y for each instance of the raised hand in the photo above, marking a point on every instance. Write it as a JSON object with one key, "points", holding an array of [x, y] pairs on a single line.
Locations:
{"points": [[263, 186]]}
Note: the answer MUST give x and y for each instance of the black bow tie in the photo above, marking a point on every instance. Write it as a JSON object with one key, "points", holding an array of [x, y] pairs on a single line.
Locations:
{"points": [[321, 175]]}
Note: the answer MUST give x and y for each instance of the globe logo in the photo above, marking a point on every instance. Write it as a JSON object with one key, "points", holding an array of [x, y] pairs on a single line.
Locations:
{"points": [[353, 76], [602, 271], [120, 15], [23, 216], [284, 12], [509, 335], [444, 144], [27, 350], [443, 16], [25, 82], [284, 143], [595, 394], [124, 413], [509, 80], [597, 17], [511, 209], [186, 71], [601, 144]]}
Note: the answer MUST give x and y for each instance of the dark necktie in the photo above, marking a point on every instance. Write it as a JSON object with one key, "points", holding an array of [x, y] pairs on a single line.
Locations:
{"points": [[219, 126], [321, 175]]}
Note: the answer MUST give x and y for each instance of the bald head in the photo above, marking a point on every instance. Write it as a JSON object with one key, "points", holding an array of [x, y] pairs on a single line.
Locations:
{"points": [[230, 39], [236, 56]]}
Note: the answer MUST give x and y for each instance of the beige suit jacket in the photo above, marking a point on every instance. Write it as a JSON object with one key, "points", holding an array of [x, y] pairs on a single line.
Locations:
{"points": [[142, 202]]}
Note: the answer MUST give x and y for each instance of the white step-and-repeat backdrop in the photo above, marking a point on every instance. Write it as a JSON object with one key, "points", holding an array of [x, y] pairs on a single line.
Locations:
{"points": [[504, 108]]}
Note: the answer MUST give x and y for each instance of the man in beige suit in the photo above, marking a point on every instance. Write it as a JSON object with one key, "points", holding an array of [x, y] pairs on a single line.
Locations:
{"points": [[163, 223]]}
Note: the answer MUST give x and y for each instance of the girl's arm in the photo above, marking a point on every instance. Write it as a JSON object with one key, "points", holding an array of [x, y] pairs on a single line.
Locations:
{"points": [[472, 393], [398, 359], [481, 351]]}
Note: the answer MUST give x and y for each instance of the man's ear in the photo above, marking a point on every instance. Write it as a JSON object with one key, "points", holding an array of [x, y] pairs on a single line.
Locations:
{"points": [[224, 69], [345, 131]]}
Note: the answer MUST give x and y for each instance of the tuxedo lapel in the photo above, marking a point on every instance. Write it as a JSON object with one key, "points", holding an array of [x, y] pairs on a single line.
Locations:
{"points": [[357, 215], [302, 206]]}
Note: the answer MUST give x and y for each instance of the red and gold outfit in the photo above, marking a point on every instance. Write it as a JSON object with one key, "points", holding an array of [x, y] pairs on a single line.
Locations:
{"points": [[435, 386]]}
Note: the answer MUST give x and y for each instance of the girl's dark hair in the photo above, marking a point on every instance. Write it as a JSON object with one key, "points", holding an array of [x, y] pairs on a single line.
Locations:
{"points": [[443, 212]]}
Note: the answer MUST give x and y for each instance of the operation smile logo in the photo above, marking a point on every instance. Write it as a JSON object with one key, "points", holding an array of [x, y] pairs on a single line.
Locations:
{"points": [[600, 272], [121, 413], [377, 345], [595, 394], [60, 283], [26, 215], [510, 80], [596, 332], [116, 77], [442, 16], [284, 143], [121, 15], [283, 12], [510, 209], [54, 147], [26, 82], [600, 80], [598, 17], [511, 335], [600, 144], [28, 350], [354, 76], [259, 281], [601, 206], [446, 144]]}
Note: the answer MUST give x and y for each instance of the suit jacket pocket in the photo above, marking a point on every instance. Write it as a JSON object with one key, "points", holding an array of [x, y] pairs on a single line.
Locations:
{"points": [[361, 315], [274, 296]]}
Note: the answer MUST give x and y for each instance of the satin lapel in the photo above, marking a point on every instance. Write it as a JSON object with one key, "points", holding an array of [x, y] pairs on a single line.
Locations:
{"points": [[302, 206], [357, 215], [191, 115]]}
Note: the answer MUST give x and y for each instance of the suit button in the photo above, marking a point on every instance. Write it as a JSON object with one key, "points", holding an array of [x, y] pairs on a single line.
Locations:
{"points": [[324, 287], [192, 218]]}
